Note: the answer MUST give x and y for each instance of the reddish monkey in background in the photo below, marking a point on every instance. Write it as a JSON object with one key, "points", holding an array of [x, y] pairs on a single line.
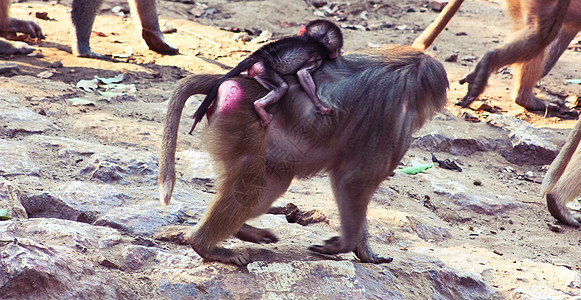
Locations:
{"points": [[542, 30]]}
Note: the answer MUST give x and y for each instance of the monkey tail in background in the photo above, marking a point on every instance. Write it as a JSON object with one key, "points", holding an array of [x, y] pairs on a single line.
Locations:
{"points": [[213, 92], [428, 36], [186, 87], [558, 189], [562, 160]]}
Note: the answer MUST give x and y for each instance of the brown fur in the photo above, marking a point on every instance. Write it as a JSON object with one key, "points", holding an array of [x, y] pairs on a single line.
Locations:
{"points": [[378, 97], [562, 183], [4, 13], [10, 26], [186, 87], [542, 31]]}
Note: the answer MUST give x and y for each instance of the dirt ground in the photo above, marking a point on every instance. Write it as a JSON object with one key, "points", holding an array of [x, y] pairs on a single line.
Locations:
{"points": [[205, 48]]}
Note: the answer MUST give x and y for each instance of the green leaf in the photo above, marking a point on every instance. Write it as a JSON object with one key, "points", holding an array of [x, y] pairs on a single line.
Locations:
{"points": [[416, 169], [4, 214]]}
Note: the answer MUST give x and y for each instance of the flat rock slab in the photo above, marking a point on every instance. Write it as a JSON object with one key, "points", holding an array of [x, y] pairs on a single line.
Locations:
{"points": [[15, 160]]}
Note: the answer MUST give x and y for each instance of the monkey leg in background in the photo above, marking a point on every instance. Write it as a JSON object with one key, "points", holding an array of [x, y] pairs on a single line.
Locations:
{"points": [[378, 98], [144, 13], [538, 24], [10, 26], [562, 183]]}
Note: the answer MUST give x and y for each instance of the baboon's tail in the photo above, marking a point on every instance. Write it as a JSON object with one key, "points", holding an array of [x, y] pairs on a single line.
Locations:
{"points": [[197, 84], [562, 160], [429, 34]]}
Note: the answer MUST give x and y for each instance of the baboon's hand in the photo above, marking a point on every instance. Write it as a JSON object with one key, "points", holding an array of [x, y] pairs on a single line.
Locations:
{"points": [[29, 27]]}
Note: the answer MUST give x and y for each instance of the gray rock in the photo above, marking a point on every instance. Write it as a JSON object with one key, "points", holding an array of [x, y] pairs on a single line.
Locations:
{"points": [[454, 145], [444, 282], [197, 164], [76, 200], [530, 145], [115, 167], [490, 204], [61, 231], [192, 202], [15, 118], [428, 232], [45, 205], [538, 292], [134, 257], [303, 279], [141, 219], [277, 280], [54, 269], [10, 199], [213, 289], [15, 160], [524, 144], [99, 198], [7, 67], [107, 163], [69, 147]]}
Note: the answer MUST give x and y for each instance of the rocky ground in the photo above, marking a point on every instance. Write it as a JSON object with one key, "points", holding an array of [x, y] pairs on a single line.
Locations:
{"points": [[78, 165]]}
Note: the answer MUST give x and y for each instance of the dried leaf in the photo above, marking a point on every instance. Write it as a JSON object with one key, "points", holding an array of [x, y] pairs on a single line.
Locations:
{"points": [[109, 94], [111, 80], [41, 15], [80, 101], [45, 74], [98, 33], [121, 88], [128, 52], [446, 164], [119, 11], [88, 85]]}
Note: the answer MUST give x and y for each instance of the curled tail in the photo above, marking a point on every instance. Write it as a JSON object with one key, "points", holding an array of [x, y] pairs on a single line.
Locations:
{"points": [[198, 84], [211, 96], [562, 160]]}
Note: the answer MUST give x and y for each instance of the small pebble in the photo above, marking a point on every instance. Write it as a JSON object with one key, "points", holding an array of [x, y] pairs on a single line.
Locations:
{"points": [[438, 5], [555, 228]]}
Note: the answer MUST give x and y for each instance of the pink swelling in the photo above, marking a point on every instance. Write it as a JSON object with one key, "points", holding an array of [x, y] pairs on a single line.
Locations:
{"points": [[229, 96]]}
